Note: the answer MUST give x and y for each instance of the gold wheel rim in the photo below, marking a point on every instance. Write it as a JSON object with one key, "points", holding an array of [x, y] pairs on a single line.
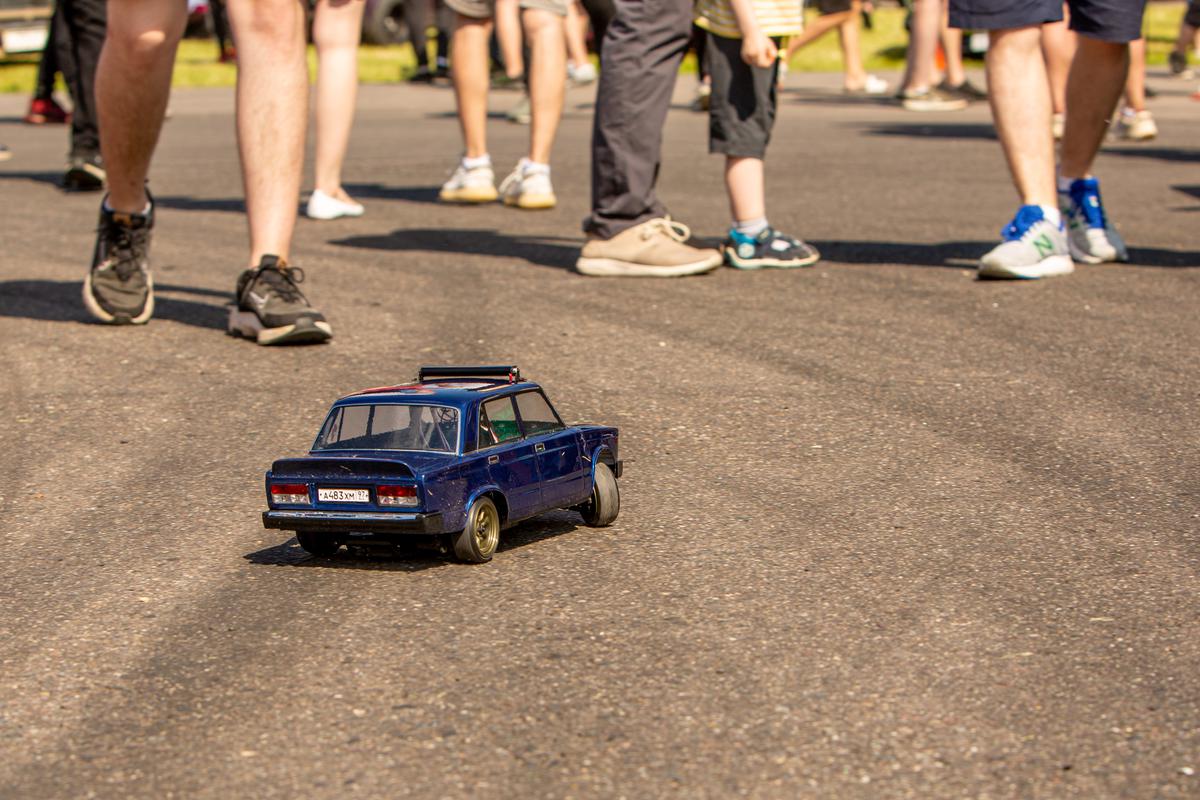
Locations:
{"points": [[486, 530]]}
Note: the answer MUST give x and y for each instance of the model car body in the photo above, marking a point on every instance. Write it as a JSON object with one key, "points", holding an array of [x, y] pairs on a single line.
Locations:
{"points": [[459, 454]]}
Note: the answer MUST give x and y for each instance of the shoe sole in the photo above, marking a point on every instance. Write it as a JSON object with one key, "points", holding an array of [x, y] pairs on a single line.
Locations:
{"points": [[918, 105], [771, 263], [84, 179], [335, 215], [611, 267], [469, 196], [1046, 268], [246, 325], [94, 308], [1087, 258], [532, 202]]}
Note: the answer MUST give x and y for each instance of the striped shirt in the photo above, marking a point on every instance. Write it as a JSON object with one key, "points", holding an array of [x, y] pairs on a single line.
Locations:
{"points": [[775, 17]]}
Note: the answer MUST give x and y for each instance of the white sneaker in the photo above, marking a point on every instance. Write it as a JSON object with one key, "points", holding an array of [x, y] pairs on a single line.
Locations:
{"points": [[1136, 126], [528, 186], [475, 185], [324, 206], [583, 74], [1032, 248]]}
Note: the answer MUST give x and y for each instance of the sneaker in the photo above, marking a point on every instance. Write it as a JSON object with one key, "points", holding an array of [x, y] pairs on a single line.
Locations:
{"points": [[271, 309], [118, 289], [873, 86], [473, 185], [1093, 240], [85, 173], [423, 75], [326, 206], [769, 249], [1058, 124], [703, 96], [655, 248], [965, 90], [528, 186], [1179, 65], [582, 75], [521, 113], [1032, 248], [45, 111], [930, 100], [1135, 126]]}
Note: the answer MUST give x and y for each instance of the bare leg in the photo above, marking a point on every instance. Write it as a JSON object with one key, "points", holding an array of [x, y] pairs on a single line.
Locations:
{"points": [[926, 21], [820, 26], [470, 72], [508, 34], [1058, 48], [1020, 97], [133, 83], [272, 102], [1097, 77], [544, 30], [1135, 83], [577, 25], [856, 74], [337, 29], [746, 186], [952, 47]]}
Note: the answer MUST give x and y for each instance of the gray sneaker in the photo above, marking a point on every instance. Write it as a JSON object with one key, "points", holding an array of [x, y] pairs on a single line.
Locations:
{"points": [[1032, 248], [118, 288], [932, 99], [1092, 239], [271, 309]]}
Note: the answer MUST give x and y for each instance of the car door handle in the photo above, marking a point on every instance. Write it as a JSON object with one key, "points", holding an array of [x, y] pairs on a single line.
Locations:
{"points": [[539, 448], [493, 459]]}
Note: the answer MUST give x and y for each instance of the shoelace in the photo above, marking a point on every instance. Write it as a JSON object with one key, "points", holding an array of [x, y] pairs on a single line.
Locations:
{"points": [[1025, 219], [665, 225], [1087, 199], [124, 244], [281, 281]]}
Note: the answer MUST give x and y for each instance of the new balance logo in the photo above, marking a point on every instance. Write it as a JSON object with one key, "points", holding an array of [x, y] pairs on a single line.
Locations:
{"points": [[1044, 246]]}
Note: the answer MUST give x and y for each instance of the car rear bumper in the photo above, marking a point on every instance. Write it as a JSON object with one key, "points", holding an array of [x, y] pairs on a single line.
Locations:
{"points": [[352, 521]]}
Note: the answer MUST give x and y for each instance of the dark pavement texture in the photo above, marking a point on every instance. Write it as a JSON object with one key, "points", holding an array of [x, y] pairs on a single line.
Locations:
{"points": [[887, 531]]}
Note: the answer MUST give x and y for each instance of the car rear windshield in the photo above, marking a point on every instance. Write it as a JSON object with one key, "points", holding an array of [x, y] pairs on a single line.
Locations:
{"points": [[390, 426]]}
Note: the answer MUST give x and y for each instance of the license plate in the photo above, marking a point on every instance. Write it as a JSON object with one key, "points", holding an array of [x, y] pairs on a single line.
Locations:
{"points": [[343, 495], [24, 40]]}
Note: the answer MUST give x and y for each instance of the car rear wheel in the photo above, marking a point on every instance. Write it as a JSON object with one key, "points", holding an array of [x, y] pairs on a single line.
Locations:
{"points": [[478, 540], [317, 543], [605, 504]]}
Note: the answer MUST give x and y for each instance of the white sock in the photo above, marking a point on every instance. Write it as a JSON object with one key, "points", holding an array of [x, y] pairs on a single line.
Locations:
{"points": [[532, 167], [751, 227], [1052, 215], [484, 160], [104, 203]]}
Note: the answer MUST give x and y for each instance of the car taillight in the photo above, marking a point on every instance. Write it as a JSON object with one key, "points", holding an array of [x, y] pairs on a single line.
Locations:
{"points": [[396, 495], [290, 493]]}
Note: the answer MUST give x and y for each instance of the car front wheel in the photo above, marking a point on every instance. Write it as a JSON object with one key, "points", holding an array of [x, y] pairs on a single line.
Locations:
{"points": [[478, 540], [605, 502]]}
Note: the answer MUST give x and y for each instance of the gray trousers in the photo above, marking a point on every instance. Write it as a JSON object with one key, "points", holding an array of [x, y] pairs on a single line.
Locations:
{"points": [[643, 46]]}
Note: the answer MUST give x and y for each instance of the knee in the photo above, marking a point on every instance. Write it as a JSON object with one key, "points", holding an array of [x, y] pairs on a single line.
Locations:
{"points": [[539, 21], [143, 38], [267, 21], [1014, 40]]}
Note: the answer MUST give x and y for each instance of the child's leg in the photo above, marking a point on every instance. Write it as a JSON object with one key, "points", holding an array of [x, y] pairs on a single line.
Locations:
{"points": [[545, 33], [470, 73], [747, 191]]}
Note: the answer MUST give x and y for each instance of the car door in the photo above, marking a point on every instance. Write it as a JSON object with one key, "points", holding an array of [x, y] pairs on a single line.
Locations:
{"points": [[557, 449], [511, 459]]}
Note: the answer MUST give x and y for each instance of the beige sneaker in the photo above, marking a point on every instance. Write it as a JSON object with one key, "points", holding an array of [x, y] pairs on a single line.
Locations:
{"points": [[656, 248], [476, 185], [528, 186]]}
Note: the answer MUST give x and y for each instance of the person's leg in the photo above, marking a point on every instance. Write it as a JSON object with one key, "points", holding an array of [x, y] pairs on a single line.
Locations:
{"points": [[85, 20], [1095, 84], [1020, 98], [48, 66], [470, 74], [508, 34], [576, 28], [1058, 49], [952, 39], [272, 105], [921, 70], [848, 39], [337, 29], [544, 31], [418, 14], [220, 21], [133, 83], [1135, 82], [818, 28]]}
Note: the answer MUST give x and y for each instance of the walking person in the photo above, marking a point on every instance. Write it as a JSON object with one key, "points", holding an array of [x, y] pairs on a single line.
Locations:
{"points": [[133, 84], [844, 15], [1062, 218], [78, 39], [629, 230], [43, 108], [336, 33]]}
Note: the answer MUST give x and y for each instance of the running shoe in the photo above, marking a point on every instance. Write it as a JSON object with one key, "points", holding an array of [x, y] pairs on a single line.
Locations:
{"points": [[118, 289], [522, 112], [470, 185], [423, 75], [45, 111], [582, 75], [271, 309], [85, 173], [965, 90], [930, 100], [528, 186], [1093, 240], [1135, 126], [1179, 65], [770, 248], [1033, 247]]}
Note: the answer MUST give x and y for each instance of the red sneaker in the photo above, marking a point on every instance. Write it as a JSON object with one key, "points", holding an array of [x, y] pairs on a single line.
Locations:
{"points": [[46, 112]]}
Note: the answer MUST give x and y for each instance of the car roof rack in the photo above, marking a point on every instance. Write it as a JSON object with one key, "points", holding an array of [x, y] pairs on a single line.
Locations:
{"points": [[508, 373]]}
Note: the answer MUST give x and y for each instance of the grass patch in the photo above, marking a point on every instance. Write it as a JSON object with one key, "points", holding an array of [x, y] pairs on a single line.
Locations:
{"points": [[883, 49]]}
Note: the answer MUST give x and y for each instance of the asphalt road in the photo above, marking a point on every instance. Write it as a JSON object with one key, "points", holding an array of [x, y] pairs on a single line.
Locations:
{"points": [[887, 531]]}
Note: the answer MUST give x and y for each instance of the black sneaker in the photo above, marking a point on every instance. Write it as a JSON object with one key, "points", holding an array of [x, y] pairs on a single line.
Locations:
{"points": [[423, 75], [271, 309], [769, 249], [85, 173], [964, 91], [118, 288]]}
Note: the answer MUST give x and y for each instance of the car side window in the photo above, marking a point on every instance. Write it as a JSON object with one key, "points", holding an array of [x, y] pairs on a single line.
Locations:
{"points": [[498, 422], [536, 414]]}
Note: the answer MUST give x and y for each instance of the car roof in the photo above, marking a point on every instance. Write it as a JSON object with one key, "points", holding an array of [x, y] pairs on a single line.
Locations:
{"points": [[458, 393]]}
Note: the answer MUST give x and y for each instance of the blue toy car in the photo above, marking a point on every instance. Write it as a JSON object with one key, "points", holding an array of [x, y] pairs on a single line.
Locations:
{"points": [[458, 455]]}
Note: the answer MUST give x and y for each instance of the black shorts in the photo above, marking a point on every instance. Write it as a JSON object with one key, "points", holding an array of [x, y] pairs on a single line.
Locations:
{"points": [[1107, 20], [741, 109], [1192, 17]]}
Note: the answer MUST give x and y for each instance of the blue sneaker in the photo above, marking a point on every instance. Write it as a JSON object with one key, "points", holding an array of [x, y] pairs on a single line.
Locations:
{"points": [[769, 249], [1092, 239], [1033, 247]]}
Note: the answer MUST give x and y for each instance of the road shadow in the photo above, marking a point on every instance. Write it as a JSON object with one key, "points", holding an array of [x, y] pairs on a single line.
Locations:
{"points": [[1190, 191], [1175, 154], [547, 251], [926, 130], [52, 178], [231, 204], [61, 301], [377, 191], [965, 255], [414, 558]]}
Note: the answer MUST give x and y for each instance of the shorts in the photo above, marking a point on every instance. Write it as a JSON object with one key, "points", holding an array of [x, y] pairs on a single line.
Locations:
{"points": [[1192, 17], [486, 9], [825, 7], [1108, 20], [741, 109]]}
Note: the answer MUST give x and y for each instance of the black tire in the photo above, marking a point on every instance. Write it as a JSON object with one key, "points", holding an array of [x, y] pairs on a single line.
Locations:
{"points": [[605, 504], [476, 543], [319, 544], [386, 22]]}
